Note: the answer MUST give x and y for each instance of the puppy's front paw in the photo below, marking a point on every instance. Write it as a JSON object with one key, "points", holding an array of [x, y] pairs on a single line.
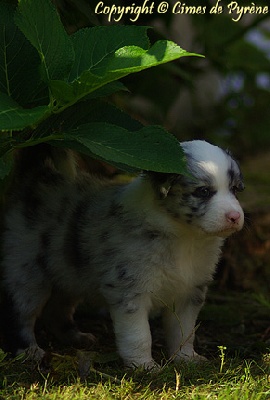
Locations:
{"points": [[150, 365], [190, 358]]}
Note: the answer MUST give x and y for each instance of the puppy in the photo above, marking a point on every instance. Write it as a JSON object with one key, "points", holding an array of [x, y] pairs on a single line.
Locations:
{"points": [[147, 246]]}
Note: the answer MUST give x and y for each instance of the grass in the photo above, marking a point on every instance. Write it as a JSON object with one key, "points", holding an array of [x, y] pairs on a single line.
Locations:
{"points": [[230, 334], [239, 379]]}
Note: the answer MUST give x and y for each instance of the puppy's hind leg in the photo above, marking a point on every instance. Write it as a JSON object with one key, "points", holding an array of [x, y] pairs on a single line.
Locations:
{"points": [[20, 311], [58, 318]]}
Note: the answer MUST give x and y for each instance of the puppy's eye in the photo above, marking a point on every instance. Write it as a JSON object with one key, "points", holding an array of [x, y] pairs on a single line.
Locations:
{"points": [[203, 192], [236, 189]]}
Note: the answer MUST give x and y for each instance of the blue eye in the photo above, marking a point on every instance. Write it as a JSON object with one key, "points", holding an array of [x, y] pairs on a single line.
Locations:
{"points": [[203, 192]]}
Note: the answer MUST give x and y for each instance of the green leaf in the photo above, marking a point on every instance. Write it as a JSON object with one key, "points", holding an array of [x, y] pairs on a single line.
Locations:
{"points": [[65, 93], [112, 59], [134, 58], [40, 23], [94, 47], [150, 148], [19, 62], [125, 61], [108, 89], [14, 117], [87, 111]]}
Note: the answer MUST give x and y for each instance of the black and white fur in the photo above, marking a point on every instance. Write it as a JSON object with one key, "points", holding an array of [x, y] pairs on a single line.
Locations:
{"points": [[147, 246]]}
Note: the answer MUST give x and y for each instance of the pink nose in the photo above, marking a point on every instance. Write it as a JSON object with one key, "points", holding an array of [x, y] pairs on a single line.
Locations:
{"points": [[233, 216]]}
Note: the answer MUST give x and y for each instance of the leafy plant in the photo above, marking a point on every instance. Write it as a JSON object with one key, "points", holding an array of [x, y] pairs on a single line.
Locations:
{"points": [[52, 89]]}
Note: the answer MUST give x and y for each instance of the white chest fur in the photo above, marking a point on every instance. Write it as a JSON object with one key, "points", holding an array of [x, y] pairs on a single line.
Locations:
{"points": [[190, 262]]}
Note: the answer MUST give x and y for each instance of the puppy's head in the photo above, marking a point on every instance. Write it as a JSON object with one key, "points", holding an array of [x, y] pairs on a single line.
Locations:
{"points": [[207, 199]]}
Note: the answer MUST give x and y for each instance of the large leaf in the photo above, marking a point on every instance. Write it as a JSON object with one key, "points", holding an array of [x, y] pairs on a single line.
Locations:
{"points": [[83, 113], [112, 63], [65, 93], [14, 117], [150, 148], [40, 23], [88, 111], [94, 47], [19, 61]]}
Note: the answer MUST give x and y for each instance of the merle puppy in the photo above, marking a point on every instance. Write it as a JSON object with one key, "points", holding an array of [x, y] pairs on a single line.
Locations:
{"points": [[146, 246]]}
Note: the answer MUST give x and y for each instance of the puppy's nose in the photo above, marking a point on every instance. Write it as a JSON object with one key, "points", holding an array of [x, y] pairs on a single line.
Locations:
{"points": [[233, 216]]}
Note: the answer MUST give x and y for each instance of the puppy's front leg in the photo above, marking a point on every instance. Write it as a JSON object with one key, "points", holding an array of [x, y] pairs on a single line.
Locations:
{"points": [[179, 326], [133, 336]]}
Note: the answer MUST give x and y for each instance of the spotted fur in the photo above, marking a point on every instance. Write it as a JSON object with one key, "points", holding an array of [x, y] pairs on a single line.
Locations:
{"points": [[146, 246]]}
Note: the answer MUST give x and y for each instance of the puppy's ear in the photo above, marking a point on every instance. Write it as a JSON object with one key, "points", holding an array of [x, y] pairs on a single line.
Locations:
{"points": [[162, 182]]}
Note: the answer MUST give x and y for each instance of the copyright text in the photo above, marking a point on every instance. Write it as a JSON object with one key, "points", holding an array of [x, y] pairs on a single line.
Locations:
{"points": [[115, 13]]}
